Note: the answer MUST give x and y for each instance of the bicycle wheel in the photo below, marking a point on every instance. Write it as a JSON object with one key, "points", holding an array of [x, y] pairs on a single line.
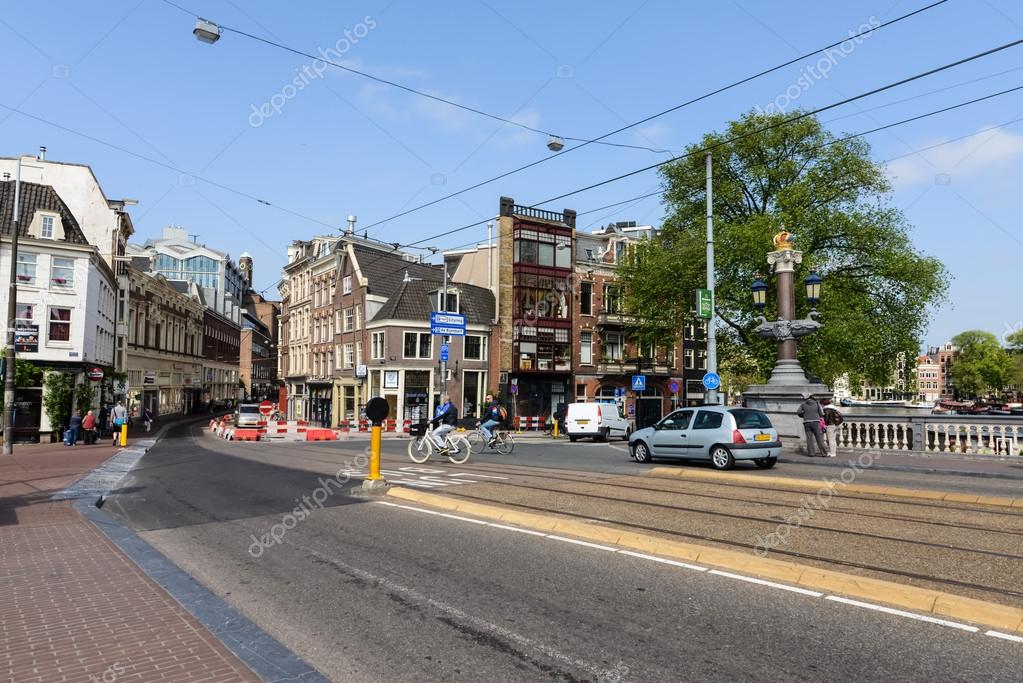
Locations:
{"points": [[506, 444], [477, 442], [420, 449], [461, 444]]}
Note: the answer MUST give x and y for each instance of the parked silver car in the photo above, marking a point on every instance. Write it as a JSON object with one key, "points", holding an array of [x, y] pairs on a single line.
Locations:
{"points": [[716, 433]]}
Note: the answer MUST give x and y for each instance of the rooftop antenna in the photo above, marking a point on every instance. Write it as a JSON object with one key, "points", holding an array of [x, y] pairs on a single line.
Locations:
{"points": [[194, 238], [352, 218]]}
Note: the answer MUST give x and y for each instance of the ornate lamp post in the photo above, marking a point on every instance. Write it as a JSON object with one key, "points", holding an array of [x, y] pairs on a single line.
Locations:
{"points": [[788, 383]]}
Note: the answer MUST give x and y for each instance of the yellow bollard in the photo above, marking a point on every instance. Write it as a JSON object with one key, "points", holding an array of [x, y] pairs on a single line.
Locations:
{"points": [[124, 435], [374, 453], [555, 429]]}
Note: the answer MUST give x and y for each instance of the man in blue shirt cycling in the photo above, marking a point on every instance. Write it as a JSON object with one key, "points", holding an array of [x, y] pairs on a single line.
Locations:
{"points": [[444, 420], [493, 416]]}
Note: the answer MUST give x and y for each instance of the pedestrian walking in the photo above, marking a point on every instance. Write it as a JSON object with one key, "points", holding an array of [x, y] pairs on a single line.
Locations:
{"points": [[147, 418], [812, 413], [120, 416], [89, 428], [832, 420], [102, 421], [71, 437]]}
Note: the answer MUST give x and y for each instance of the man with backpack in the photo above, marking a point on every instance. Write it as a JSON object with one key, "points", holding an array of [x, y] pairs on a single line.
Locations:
{"points": [[494, 415], [832, 420]]}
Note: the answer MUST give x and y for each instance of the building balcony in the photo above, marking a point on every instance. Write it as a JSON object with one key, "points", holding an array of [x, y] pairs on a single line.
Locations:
{"points": [[629, 367], [606, 319]]}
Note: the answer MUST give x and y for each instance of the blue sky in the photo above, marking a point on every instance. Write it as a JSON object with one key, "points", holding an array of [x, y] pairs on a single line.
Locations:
{"points": [[131, 74]]}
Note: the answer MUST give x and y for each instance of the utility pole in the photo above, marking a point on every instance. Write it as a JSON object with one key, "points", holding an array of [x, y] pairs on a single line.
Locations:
{"points": [[12, 311], [444, 338], [712, 345]]}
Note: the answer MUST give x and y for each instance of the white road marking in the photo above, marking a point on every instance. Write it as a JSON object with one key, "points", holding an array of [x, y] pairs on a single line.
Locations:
{"points": [[763, 582], [518, 529], [463, 519], [663, 560], [717, 572], [901, 613], [585, 543], [475, 474]]}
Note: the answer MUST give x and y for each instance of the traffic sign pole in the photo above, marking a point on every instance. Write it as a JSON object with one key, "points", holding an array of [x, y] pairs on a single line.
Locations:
{"points": [[712, 345]]}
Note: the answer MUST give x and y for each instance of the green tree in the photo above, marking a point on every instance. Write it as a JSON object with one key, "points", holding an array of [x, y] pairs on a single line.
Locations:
{"points": [[85, 394], [57, 396], [879, 291], [983, 366]]}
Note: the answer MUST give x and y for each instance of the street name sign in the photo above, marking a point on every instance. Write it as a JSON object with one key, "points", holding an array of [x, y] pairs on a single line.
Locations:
{"points": [[451, 324]]}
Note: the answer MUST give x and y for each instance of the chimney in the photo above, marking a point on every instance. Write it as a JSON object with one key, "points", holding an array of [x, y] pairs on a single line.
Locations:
{"points": [[351, 223], [42, 152]]}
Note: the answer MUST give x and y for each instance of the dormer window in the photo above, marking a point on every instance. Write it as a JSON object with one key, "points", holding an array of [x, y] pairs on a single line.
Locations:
{"points": [[451, 303], [46, 227]]}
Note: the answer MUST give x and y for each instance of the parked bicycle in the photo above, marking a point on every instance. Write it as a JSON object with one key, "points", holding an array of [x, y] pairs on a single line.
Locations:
{"points": [[421, 446], [504, 442]]}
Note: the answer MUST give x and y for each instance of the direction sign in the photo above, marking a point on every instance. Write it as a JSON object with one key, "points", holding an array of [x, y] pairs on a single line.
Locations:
{"points": [[673, 386], [450, 324], [443, 353], [704, 304], [711, 381], [639, 382]]}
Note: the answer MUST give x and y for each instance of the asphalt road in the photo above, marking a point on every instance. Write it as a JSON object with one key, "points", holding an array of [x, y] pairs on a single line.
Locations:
{"points": [[370, 592]]}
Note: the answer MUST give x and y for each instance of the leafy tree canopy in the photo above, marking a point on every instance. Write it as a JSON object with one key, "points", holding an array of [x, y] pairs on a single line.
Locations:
{"points": [[879, 291], [983, 366]]}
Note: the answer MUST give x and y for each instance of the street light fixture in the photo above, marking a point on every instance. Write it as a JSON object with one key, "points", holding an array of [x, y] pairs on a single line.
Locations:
{"points": [[759, 289], [555, 143], [813, 288], [206, 31]]}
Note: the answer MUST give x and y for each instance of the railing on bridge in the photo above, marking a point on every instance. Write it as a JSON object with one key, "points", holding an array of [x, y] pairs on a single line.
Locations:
{"points": [[933, 434]]}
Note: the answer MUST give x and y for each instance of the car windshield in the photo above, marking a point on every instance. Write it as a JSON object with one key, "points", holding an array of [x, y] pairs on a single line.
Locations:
{"points": [[248, 409], [750, 419]]}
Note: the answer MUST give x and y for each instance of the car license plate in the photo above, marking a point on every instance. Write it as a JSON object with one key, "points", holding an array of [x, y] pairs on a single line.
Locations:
{"points": [[762, 437], [583, 422]]}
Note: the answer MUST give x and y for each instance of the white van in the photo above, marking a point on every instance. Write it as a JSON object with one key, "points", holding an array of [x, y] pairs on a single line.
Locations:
{"points": [[599, 421], [248, 415]]}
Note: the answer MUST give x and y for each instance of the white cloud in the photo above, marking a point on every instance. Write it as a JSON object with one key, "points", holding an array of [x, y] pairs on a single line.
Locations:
{"points": [[995, 150], [654, 134]]}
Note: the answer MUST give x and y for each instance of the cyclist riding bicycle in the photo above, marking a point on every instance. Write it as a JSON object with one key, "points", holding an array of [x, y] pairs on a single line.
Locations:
{"points": [[494, 416], [444, 421]]}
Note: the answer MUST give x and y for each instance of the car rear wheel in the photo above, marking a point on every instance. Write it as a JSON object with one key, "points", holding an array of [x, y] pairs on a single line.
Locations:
{"points": [[641, 452], [573, 439], [721, 458], [766, 463], [602, 435]]}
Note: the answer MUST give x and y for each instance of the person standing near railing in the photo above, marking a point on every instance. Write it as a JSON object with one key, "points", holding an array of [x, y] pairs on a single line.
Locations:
{"points": [[832, 420], [811, 412]]}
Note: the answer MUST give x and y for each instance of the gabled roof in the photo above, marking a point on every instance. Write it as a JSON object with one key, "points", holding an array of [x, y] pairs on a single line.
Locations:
{"points": [[35, 197], [413, 301], [384, 272]]}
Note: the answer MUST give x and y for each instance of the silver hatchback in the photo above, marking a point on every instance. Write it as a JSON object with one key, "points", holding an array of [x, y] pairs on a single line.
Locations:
{"points": [[719, 434]]}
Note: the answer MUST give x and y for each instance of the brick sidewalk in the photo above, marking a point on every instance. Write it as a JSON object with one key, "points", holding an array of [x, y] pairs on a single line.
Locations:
{"points": [[73, 607]]}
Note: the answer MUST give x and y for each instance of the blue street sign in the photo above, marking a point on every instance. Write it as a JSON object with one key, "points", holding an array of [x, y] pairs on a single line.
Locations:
{"points": [[450, 324], [673, 386], [711, 380], [618, 392], [443, 353], [639, 382]]}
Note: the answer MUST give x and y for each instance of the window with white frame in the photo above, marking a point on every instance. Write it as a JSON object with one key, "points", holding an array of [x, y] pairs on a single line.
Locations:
{"points": [[349, 355], [349, 319], [346, 284], [358, 353], [377, 348], [690, 358], [613, 346], [60, 324], [358, 316], [476, 347], [46, 227], [701, 359], [26, 271], [418, 345], [585, 348], [24, 314]]}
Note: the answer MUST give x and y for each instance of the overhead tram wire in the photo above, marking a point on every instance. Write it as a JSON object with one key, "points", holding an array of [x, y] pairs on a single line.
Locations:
{"points": [[844, 138], [792, 119], [675, 108]]}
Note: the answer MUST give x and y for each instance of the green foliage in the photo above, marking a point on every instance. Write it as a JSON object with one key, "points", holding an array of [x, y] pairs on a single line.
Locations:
{"points": [[26, 374], [1015, 340], [983, 366], [57, 395], [85, 394], [879, 291]]}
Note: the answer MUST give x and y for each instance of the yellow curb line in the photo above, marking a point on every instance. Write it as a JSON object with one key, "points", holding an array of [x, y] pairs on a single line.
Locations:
{"points": [[945, 605], [817, 484]]}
